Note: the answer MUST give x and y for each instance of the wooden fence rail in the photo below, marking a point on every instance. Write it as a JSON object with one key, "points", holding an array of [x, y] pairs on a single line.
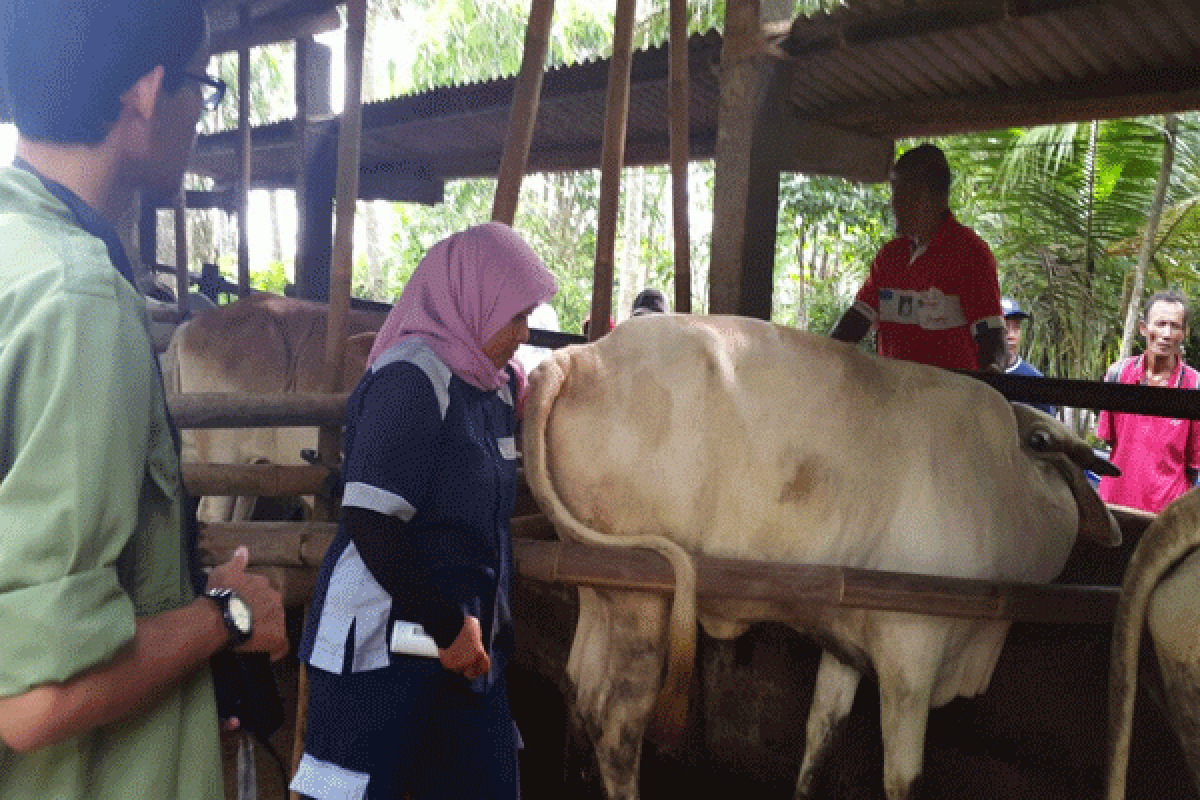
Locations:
{"points": [[209, 410], [538, 558], [257, 480]]}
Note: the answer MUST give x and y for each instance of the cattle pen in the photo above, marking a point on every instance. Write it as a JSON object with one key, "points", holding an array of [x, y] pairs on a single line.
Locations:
{"points": [[749, 698]]}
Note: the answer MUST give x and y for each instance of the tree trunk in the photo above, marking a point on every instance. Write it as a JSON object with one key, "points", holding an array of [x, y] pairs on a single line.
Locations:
{"points": [[1143, 262], [276, 241]]}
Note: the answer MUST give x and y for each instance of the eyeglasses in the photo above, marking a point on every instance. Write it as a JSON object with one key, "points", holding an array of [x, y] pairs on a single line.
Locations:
{"points": [[211, 89]]}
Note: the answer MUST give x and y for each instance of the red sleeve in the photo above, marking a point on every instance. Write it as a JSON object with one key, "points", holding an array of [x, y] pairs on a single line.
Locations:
{"points": [[868, 295], [979, 289]]}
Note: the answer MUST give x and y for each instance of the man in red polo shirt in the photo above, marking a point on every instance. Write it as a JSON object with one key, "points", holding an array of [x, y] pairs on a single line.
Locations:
{"points": [[932, 292], [1158, 456]]}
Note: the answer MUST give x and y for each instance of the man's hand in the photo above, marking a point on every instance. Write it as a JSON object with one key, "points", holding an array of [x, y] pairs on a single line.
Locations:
{"points": [[852, 327], [266, 604], [466, 654], [991, 349]]}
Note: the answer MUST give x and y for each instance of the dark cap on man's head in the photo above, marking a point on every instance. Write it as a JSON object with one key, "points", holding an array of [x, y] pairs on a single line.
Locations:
{"points": [[66, 63], [1011, 309], [649, 301]]}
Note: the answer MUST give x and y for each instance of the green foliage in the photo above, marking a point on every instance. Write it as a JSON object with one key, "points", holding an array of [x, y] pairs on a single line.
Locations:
{"points": [[272, 279]]}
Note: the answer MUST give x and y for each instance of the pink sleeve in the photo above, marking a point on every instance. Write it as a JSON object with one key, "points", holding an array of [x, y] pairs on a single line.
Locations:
{"points": [[1105, 428]]}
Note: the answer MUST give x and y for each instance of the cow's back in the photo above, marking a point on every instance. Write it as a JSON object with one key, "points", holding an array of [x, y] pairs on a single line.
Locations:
{"points": [[742, 438]]}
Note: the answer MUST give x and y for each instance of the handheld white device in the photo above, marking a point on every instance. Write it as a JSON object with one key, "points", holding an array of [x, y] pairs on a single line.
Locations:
{"points": [[410, 639]]}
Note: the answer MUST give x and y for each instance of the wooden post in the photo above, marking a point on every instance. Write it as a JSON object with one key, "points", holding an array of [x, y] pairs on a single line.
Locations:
{"points": [[304, 49], [349, 141], [677, 108], [181, 254], [147, 231], [244, 155], [749, 155], [523, 114], [616, 113]]}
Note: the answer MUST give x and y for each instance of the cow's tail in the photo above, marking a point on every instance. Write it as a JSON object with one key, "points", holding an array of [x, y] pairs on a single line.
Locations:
{"points": [[1168, 540], [670, 714]]}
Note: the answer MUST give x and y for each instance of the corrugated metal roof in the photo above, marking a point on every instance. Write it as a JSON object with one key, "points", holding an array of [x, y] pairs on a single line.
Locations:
{"points": [[456, 132], [928, 67]]}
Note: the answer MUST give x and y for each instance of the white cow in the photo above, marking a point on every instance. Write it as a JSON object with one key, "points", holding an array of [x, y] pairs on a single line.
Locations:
{"points": [[1161, 589], [261, 344], [734, 437]]}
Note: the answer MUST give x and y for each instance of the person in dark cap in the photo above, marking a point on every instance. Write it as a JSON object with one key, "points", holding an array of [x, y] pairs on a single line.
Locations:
{"points": [[932, 293], [1015, 365], [104, 686], [649, 301]]}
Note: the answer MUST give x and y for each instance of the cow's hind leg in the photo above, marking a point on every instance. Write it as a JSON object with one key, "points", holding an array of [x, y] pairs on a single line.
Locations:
{"points": [[907, 662], [833, 697], [615, 669]]}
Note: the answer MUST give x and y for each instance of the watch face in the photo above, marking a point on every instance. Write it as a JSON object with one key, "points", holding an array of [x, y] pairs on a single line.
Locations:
{"points": [[240, 612]]}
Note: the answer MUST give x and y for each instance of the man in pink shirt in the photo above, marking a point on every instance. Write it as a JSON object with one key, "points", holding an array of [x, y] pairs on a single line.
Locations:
{"points": [[1158, 457]]}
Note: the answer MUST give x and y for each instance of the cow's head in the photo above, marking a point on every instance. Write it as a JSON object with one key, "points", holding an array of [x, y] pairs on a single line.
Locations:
{"points": [[1044, 438]]}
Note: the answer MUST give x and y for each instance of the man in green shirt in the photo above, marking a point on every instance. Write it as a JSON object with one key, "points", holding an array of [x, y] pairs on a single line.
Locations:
{"points": [[104, 689]]}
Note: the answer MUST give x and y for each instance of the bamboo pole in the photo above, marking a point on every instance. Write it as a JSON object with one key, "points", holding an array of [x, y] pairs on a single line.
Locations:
{"points": [[182, 301], [245, 155], [616, 115], [523, 115], [677, 109]]}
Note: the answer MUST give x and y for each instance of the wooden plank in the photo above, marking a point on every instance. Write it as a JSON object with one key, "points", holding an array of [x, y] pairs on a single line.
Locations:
{"points": [[256, 480], [204, 410], [523, 113]]}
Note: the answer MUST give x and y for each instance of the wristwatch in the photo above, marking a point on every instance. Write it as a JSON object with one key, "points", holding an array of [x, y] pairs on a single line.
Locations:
{"points": [[236, 614]]}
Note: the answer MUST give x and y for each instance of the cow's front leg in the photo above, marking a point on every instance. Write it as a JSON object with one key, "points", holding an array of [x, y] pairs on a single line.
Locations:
{"points": [[832, 700], [615, 669]]}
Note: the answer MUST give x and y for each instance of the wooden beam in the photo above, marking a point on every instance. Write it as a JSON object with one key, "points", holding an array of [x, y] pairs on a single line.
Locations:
{"points": [[616, 115], [813, 35], [203, 410], [1151, 400], [256, 480], [257, 33], [1169, 89], [803, 586], [522, 114]]}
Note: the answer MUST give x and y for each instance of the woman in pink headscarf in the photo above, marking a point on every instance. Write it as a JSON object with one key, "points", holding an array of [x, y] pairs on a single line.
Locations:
{"points": [[410, 629]]}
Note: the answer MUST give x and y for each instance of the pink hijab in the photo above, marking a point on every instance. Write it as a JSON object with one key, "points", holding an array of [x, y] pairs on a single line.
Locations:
{"points": [[466, 288]]}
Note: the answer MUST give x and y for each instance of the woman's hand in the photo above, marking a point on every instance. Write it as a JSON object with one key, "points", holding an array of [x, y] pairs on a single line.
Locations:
{"points": [[466, 654]]}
